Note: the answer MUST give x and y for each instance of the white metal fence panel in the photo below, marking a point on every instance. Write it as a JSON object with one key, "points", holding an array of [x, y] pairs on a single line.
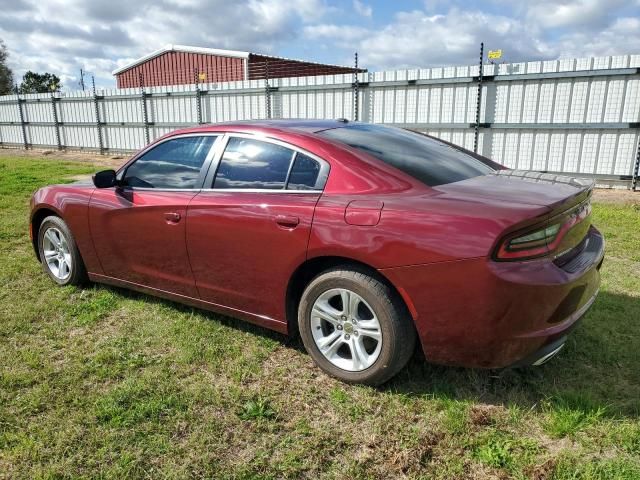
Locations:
{"points": [[79, 136], [571, 115], [11, 134]]}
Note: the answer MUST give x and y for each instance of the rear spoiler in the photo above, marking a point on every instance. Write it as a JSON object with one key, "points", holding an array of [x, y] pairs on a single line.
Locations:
{"points": [[540, 177], [583, 186]]}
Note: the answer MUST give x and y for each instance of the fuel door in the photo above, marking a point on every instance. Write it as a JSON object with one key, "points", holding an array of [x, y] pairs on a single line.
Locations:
{"points": [[365, 213]]}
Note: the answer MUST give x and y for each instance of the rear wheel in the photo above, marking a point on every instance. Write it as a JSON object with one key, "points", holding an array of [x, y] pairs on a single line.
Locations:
{"points": [[59, 254], [355, 327]]}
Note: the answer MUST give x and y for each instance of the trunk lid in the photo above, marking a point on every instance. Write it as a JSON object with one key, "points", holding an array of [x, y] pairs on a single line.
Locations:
{"points": [[556, 192], [566, 199]]}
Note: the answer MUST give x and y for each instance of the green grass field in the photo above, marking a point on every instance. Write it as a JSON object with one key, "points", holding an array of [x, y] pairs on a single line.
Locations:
{"points": [[105, 383]]}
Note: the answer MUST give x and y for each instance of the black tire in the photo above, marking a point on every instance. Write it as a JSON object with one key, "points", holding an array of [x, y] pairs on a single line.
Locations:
{"points": [[77, 272], [398, 332]]}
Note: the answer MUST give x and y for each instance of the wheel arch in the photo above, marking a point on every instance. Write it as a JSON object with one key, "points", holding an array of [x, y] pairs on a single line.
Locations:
{"points": [[312, 267], [37, 217]]}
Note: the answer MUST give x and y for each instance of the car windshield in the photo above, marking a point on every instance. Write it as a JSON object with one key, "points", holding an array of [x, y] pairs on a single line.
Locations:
{"points": [[424, 158]]}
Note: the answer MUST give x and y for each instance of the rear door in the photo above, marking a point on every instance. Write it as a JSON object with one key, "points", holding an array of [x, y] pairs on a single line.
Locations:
{"points": [[248, 229], [138, 228]]}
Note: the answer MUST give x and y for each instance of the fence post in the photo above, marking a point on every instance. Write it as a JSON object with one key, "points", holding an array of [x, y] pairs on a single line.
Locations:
{"points": [[476, 132], [267, 91], [636, 168], [56, 124], [97, 110], [367, 103], [145, 114], [22, 122], [356, 98], [198, 97]]}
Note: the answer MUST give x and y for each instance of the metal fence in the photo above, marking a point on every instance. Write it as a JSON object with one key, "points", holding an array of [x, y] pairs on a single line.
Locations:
{"points": [[577, 116]]}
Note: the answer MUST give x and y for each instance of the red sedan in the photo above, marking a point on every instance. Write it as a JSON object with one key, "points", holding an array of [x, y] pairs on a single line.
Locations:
{"points": [[362, 238]]}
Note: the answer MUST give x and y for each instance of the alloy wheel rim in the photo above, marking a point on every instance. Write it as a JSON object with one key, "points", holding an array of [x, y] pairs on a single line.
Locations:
{"points": [[56, 253], [346, 329]]}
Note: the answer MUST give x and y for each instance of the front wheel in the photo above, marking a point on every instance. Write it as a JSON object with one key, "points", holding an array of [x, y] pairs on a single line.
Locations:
{"points": [[354, 327], [59, 254]]}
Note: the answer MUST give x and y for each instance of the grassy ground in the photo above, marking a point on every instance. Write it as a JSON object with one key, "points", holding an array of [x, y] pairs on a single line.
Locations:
{"points": [[100, 382]]}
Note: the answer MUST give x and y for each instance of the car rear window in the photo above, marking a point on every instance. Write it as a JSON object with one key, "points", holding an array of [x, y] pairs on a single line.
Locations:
{"points": [[424, 158]]}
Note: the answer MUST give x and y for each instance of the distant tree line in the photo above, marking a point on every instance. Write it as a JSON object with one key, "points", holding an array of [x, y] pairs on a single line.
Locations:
{"points": [[39, 83], [32, 82], [6, 75]]}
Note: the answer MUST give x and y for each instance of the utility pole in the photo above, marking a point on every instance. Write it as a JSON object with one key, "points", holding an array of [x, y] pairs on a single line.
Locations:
{"points": [[82, 74]]}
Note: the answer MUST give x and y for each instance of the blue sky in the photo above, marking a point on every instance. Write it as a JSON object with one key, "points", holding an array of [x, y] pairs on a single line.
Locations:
{"points": [[60, 36]]}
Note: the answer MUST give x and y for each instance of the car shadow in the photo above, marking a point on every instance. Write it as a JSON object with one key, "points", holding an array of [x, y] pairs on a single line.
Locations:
{"points": [[223, 319], [598, 369]]}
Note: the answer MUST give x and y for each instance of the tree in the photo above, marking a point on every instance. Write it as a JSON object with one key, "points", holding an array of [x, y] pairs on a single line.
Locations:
{"points": [[39, 83], [6, 75]]}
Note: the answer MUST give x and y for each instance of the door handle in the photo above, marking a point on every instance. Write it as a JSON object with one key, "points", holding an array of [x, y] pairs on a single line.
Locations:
{"points": [[172, 217], [287, 221]]}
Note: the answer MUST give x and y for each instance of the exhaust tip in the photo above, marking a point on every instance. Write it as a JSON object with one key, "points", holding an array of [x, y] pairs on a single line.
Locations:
{"points": [[545, 358]]}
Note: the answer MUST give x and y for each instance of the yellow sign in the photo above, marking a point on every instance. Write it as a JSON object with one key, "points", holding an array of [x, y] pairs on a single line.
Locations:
{"points": [[495, 54], [202, 76]]}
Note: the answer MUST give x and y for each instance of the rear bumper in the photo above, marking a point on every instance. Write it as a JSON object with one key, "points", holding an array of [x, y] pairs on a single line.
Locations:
{"points": [[480, 313], [544, 354], [555, 345]]}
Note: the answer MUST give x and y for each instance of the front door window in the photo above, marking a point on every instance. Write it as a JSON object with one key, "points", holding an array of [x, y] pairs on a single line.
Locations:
{"points": [[173, 164]]}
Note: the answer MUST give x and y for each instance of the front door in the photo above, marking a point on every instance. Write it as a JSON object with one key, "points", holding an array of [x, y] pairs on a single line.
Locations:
{"points": [[248, 233], [138, 228]]}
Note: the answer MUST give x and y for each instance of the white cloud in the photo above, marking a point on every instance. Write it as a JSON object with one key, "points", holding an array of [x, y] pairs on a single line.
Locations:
{"points": [[418, 39], [100, 35], [623, 36], [421, 38], [345, 33], [564, 13], [362, 9]]}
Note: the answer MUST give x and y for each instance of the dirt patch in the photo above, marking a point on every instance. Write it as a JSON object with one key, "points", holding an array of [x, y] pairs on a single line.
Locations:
{"points": [[484, 415], [92, 158], [545, 470], [612, 195]]}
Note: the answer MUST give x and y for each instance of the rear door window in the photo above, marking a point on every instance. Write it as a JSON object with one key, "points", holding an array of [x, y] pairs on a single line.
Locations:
{"points": [[252, 164]]}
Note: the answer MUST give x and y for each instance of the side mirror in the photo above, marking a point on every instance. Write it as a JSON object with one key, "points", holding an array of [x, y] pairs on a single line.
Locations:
{"points": [[105, 179]]}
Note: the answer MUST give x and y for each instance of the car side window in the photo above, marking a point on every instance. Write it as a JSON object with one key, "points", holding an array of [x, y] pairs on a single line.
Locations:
{"points": [[175, 163], [306, 174], [248, 163]]}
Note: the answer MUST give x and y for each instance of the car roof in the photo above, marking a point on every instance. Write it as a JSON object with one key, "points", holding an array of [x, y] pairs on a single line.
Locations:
{"points": [[266, 126]]}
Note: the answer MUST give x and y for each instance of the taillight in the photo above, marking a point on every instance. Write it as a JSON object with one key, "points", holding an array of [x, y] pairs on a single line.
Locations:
{"points": [[541, 240]]}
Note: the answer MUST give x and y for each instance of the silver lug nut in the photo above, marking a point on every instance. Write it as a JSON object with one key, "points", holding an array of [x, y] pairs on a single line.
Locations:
{"points": [[355, 333], [339, 327], [343, 317], [346, 336]]}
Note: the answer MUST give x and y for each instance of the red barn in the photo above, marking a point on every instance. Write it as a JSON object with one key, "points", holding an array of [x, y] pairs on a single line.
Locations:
{"points": [[180, 64]]}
